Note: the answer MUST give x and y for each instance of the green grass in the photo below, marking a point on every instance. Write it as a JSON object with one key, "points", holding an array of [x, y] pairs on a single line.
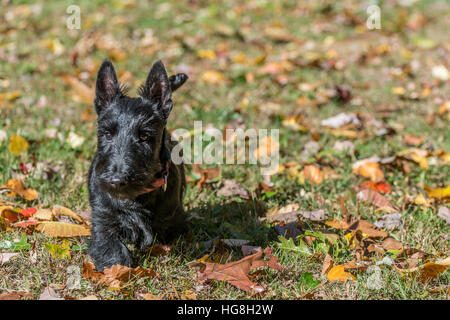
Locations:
{"points": [[179, 31]]}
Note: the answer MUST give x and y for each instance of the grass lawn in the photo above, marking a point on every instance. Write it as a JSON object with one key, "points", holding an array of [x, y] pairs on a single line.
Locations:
{"points": [[284, 65]]}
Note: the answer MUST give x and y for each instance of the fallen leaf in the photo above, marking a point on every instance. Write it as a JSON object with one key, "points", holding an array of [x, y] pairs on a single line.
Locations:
{"points": [[15, 295], [82, 92], [213, 77], [148, 296], [327, 264], [17, 145], [390, 221], [412, 140], [63, 229], [116, 275], [6, 256], [392, 244], [236, 273], [444, 213], [374, 198], [63, 211], [369, 170], [313, 174], [438, 193], [159, 250], [49, 294], [16, 186], [338, 273], [432, 270], [229, 188], [61, 251], [43, 214], [316, 215], [381, 187]]}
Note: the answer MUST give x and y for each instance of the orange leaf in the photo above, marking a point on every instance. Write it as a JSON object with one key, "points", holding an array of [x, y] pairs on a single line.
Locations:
{"points": [[338, 273], [16, 187], [313, 174], [369, 170]]}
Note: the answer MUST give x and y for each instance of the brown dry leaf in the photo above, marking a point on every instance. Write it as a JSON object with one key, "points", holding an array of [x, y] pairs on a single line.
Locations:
{"points": [[17, 145], [338, 273], [392, 244], [374, 198], [15, 295], [432, 270], [63, 211], [327, 264], [313, 174], [229, 188], [16, 186], [367, 169], [63, 229], [148, 296], [316, 215], [90, 297], [236, 273], [337, 224], [364, 226], [367, 228], [115, 276], [89, 272], [412, 140], [82, 92], [158, 250]]}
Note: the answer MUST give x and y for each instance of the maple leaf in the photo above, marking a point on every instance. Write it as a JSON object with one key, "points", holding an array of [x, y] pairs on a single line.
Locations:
{"points": [[236, 273]]}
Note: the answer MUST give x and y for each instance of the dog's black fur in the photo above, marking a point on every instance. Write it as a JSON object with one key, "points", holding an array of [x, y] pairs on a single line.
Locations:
{"points": [[129, 158]]}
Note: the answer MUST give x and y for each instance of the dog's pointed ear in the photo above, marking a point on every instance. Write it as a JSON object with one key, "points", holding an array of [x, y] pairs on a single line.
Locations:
{"points": [[157, 87], [177, 80], [107, 86]]}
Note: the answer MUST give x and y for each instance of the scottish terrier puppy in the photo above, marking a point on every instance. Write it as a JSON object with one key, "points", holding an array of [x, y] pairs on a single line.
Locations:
{"points": [[135, 190]]}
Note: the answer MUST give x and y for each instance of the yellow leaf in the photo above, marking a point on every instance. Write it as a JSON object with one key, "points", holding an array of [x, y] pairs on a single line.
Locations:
{"points": [[421, 200], [338, 273], [438, 193], [213, 77], [208, 54], [17, 145], [61, 251], [16, 187], [9, 96], [63, 229], [398, 91], [63, 211], [43, 214]]}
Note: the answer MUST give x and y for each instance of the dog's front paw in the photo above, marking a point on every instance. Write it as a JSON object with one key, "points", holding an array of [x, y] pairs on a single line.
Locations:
{"points": [[109, 252]]}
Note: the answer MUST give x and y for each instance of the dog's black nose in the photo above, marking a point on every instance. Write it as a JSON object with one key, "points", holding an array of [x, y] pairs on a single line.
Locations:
{"points": [[117, 183]]}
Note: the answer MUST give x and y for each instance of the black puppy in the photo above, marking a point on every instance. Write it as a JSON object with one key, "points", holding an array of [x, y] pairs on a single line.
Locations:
{"points": [[135, 190]]}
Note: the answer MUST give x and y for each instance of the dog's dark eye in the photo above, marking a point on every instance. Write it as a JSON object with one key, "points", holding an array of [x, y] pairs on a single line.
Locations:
{"points": [[143, 137], [108, 135]]}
